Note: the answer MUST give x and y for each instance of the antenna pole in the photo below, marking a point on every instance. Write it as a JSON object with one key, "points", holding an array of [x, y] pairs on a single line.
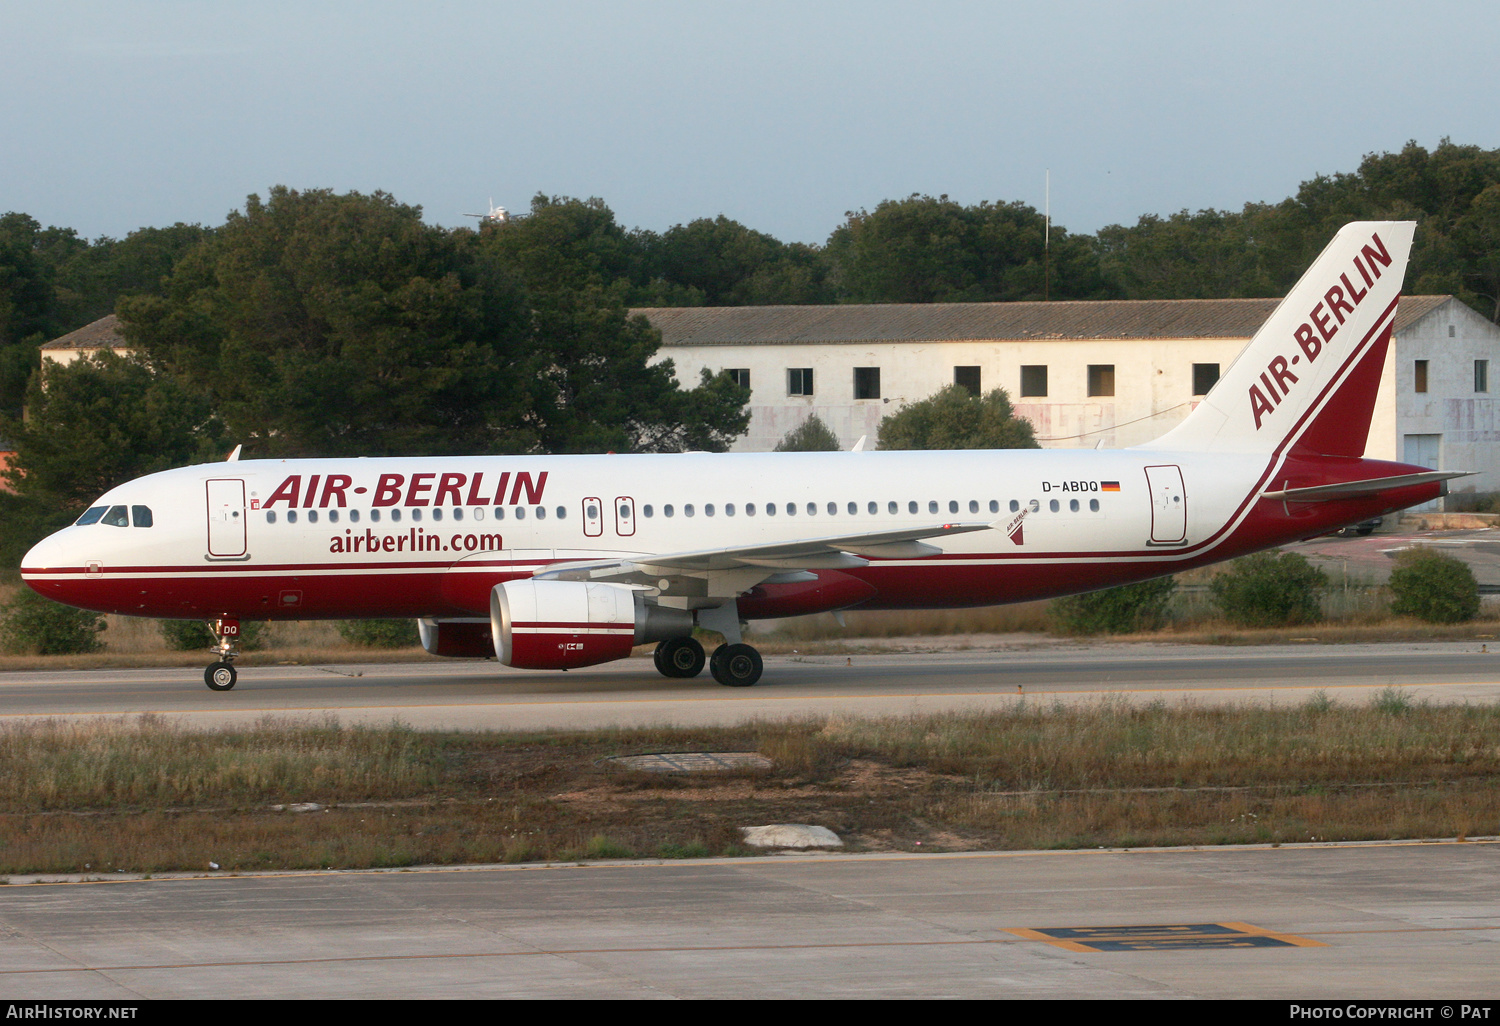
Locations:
{"points": [[1047, 243]]}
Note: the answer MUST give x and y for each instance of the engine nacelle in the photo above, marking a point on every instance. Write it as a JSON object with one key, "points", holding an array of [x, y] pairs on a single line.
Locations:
{"points": [[558, 625], [458, 639]]}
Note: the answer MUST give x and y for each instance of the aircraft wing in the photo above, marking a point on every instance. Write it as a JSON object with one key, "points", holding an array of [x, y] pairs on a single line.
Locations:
{"points": [[742, 567]]}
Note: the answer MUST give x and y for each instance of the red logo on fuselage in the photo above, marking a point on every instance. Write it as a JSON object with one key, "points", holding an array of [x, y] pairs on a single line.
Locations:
{"points": [[423, 489]]}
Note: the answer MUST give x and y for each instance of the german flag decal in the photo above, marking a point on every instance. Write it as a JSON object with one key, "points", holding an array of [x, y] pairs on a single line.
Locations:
{"points": [[1109, 486]]}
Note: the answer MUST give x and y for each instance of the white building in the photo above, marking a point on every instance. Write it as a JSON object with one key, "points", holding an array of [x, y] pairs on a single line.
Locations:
{"points": [[1084, 373]]}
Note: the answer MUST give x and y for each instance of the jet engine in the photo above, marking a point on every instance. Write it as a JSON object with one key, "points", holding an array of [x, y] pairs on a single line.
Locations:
{"points": [[458, 639], [557, 625]]}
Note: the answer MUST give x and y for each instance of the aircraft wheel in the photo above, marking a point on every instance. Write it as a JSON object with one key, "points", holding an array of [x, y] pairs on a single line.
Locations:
{"points": [[679, 657], [220, 676], [736, 666]]}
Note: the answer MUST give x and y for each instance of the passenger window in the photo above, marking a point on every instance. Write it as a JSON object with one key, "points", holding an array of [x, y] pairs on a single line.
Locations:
{"points": [[1072, 505], [1093, 505], [374, 516], [892, 508], [973, 506], [478, 513], [458, 514], [687, 509], [333, 516], [911, 507], [667, 510], [833, 509], [812, 509], [729, 509], [91, 516], [416, 515], [312, 516], [437, 514], [749, 509], [708, 509], [952, 505], [499, 512], [562, 513], [1052, 506], [140, 516], [117, 517], [395, 516], [873, 508], [270, 516], [593, 511], [994, 505], [541, 512], [520, 512], [1034, 506], [932, 506], [648, 511], [291, 516], [791, 509], [770, 509], [1014, 505]]}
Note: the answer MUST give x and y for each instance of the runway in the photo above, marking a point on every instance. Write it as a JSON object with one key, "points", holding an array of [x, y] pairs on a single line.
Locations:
{"points": [[485, 695], [1361, 922]]}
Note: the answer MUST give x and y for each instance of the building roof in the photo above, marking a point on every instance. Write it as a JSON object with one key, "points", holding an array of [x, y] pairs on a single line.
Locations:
{"points": [[101, 334], [960, 322]]}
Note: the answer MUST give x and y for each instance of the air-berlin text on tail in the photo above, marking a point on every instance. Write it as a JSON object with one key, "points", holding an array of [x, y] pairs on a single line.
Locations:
{"points": [[423, 489], [1323, 322]]}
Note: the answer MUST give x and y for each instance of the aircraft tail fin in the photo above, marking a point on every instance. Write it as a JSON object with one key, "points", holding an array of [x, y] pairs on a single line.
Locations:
{"points": [[1307, 381]]}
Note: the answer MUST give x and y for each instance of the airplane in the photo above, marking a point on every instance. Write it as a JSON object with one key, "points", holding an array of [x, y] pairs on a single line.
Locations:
{"points": [[557, 562], [497, 215]]}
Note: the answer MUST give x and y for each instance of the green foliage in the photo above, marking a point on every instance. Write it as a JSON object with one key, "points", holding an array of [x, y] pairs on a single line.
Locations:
{"points": [[1434, 587], [1392, 701], [33, 625], [954, 419], [380, 633], [812, 435], [1141, 606], [196, 635], [1270, 589], [925, 250], [720, 262], [100, 421]]}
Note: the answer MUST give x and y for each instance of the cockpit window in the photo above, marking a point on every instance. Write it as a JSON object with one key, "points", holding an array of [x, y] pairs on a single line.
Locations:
{"points": [[140, 516], [117, 517], [91, 516]]}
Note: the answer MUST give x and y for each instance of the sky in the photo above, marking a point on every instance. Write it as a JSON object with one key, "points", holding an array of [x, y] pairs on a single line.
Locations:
{"points": [[781, 115]]}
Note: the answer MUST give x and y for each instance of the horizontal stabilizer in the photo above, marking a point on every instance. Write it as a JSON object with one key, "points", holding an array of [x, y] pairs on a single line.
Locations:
{"points": [[1361, 489]]}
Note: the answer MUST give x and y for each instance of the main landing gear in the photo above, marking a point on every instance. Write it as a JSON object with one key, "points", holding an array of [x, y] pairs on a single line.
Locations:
{"points": [[220, 676], [735, 666]]}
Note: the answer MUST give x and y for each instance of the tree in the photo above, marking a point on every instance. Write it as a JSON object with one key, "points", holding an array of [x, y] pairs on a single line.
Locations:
{"points": [[99, 422], [720, 262], [953, 419], [321, 324], [926, 250], [1434, 587], [1141, 606], [1270, 589], [812, 435]]}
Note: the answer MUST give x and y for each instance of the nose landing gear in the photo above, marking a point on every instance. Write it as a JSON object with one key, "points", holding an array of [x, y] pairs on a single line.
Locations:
{"points": [[220, 676]]}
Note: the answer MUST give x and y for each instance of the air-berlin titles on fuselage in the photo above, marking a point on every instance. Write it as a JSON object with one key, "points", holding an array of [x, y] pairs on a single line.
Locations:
{"points": [[424, 489], [1327, 316]]}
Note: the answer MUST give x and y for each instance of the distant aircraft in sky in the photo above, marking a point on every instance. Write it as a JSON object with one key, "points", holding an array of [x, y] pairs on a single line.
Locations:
{"points": [[499, 215], [552, 562]]}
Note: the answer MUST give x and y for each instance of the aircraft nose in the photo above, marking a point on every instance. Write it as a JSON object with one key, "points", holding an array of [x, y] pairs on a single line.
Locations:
{"points": [[42, 565]]}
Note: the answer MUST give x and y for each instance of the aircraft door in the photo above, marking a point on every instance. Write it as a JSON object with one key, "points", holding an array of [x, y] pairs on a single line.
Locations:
{"points": [[226, 519], [624, 516], [593, 517], [1168, 505]]}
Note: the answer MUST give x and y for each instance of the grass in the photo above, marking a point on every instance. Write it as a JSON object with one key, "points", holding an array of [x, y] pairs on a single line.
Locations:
{"points": [[143, 796]]}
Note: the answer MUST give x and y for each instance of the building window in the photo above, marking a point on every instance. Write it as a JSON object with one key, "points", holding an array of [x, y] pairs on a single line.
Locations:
{"points": [[867, 382], [1034, 381], [1419, 374], [1481, 375], [1101, 379], [967, 378], [739, 375], [799, 381], [1205, 377]]}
